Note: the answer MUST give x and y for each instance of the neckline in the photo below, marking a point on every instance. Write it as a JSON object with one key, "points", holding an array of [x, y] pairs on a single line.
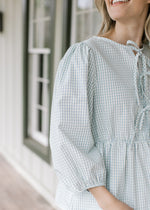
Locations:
{"points": [[117, 43]]}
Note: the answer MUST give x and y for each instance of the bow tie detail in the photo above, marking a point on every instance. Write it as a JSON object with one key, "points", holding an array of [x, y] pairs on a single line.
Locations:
{"points": [[140, 84]]}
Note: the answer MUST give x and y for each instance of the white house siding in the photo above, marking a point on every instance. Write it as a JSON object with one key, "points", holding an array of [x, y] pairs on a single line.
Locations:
{"points": [[40, 174]]}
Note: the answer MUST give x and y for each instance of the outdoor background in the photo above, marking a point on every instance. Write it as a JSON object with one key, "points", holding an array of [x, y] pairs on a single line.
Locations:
{"points": [[34, 35]]}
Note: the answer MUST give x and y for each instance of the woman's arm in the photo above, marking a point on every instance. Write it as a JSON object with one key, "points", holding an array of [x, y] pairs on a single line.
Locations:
{"points": [[106, 200], [77, 161]]}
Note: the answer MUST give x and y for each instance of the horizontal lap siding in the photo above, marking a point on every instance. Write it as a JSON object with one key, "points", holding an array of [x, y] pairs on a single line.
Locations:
{"points": [[29, 164]]}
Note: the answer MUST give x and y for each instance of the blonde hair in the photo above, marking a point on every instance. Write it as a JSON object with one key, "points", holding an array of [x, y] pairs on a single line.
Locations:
{"points": [[108, 23]]}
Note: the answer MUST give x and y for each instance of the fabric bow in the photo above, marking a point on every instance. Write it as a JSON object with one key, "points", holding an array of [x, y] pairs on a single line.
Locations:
{"points": [[140, 84]]}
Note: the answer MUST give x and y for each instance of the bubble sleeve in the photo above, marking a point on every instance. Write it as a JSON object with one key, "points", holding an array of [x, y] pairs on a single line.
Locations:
{"points": [[76, 160]]}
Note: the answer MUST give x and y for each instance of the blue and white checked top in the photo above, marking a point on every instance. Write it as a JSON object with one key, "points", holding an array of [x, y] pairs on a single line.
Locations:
{"points": [[100, 123]]}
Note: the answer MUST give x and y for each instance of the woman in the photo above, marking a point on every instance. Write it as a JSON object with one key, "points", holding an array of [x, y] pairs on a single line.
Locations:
{"points": [[100, 117]]}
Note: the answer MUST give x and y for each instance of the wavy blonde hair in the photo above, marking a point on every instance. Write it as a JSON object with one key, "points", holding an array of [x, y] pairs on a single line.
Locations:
{"points": [[108, 23]]}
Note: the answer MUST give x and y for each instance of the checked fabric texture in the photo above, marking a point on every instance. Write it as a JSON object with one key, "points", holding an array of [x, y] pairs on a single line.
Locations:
{"points": [[100, 123]]}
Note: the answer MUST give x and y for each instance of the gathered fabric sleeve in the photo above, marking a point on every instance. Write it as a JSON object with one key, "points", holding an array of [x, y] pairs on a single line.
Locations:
{"points": [[76, 160]]}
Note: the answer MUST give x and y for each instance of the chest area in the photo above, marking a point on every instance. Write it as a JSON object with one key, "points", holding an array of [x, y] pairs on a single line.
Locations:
{"points": [[115, 82], [120, 78]]}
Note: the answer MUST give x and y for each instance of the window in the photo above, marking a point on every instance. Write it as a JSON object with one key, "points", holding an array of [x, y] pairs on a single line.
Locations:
{"points": [[78, 20], [39, 43], [85, 20]]}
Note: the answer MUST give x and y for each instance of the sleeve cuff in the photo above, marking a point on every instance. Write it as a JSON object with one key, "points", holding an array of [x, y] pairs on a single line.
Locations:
{"points": [[98, 185]]}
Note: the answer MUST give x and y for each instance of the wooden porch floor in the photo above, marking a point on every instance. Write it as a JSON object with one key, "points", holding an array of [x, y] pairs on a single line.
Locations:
{"points": [[16, 193]]}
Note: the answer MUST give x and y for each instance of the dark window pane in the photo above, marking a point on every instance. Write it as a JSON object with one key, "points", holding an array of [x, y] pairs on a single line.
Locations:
{"points": [[41, 65], [39, 120], [40, 92]]}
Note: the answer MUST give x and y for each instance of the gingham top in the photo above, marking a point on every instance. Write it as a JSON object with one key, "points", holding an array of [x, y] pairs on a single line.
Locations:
{"points": [[100, 123]]}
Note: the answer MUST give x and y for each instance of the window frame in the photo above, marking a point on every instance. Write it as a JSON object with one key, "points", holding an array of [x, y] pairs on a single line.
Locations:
{"points": [[42, 151], [75, 14], [67, 21]]}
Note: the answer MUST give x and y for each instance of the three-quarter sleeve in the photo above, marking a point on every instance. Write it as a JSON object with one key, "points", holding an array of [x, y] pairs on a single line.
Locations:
{"points": [[76, 160]]}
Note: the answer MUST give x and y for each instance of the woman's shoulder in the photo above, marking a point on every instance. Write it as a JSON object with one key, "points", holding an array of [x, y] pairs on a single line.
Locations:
{"points": [[84, 50], [91, 42], [87, 47], [78, 59], [86, 44], [96, 43]]}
